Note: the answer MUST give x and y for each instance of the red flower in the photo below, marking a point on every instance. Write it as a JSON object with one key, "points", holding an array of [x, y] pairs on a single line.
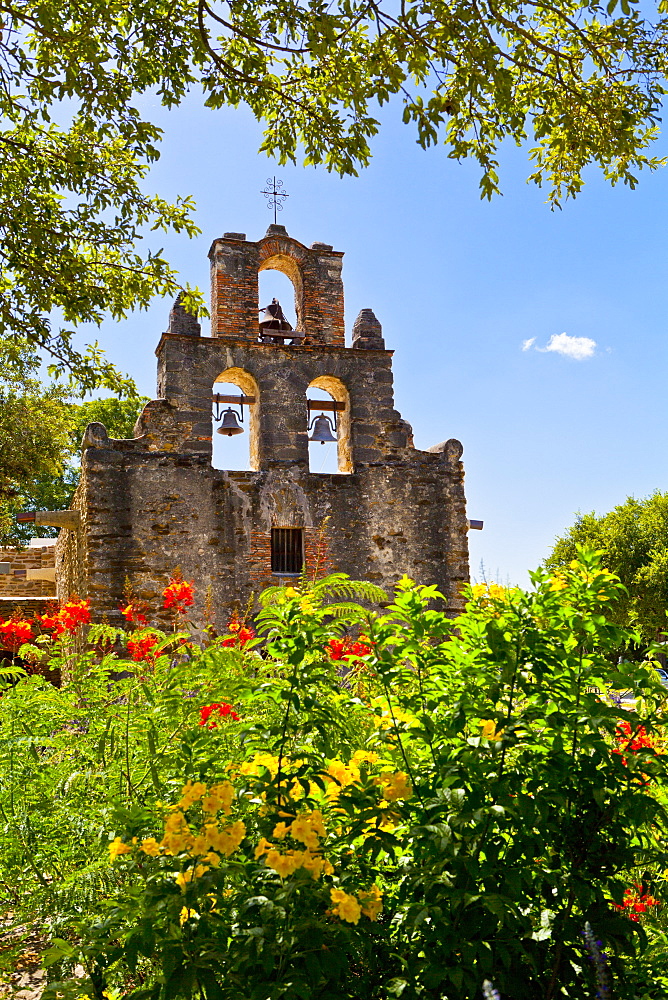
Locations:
{"points": [[344, 649], [72, 614], [241, 635], [630, 741], [142, 648], [15, 632], [224, 711], [636, 901], [133, 614], [178, 594]]}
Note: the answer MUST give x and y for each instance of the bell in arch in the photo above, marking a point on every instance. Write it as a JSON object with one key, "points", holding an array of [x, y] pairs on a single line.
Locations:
{"points": [[230, 424], [322, 430], [272, 320]]}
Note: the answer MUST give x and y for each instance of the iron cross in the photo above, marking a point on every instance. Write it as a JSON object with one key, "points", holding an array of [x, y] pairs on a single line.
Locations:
{"points": [[274, 195]]}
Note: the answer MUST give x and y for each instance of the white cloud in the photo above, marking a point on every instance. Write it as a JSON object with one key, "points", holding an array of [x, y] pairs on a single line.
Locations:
{"points": [[577, 348]]}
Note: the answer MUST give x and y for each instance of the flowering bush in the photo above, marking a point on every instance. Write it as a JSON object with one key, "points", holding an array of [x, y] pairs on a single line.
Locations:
{"points": [[178, 595], [636, 900], [69, 618], [15, 632], [142, 647], [241, 635], [134, 613], [224, 711], [459, 823]]}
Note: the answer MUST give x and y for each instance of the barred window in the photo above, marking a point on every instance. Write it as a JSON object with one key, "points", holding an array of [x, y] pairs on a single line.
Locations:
{"points": [[287, 550]]}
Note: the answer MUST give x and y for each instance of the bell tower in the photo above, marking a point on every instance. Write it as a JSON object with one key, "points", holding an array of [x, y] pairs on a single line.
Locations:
{"points": [[154, 502]]}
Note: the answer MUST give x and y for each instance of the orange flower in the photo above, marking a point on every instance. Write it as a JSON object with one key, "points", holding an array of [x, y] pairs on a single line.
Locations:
{"points": [[240, 635], [15, 632], [134, 614], [73, 613], [178, 594], [143, 648]]}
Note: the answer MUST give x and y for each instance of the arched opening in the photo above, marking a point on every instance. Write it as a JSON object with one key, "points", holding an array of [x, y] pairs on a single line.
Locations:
{"points": [[237, 452], [283, 272], [275, 285], [335, 456]]}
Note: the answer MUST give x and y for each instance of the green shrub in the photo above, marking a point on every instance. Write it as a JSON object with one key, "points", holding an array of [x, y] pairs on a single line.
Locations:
{"points": [[407, 813]]}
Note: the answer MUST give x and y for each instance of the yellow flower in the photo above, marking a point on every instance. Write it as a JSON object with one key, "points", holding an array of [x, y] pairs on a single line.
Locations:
{"points": [[191, 792], [290, 592], [558, 583], [253, 766], [220, 797], [389, 718], [308, 827], [346, 907], [343, 774], [199, 845], [263, 847], [186, 914], [479, 589], [372, 902], [365, 756], [150, 846], [227, 840], [282, 864], [117, 847], [280, 830], [315, 864], [488, 730], [177, 836], [317, 823], [212, 859], [306, 606], [395, 786], [176, 823], [183, 878]]}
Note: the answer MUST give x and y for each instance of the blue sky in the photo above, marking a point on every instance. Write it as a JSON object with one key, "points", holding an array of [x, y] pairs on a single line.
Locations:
{"points": [[459, 286]]}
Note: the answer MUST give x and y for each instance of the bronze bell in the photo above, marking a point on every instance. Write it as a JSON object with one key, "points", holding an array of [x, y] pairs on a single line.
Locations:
{"points": [[272, 319], [322, 430], [230, 424]]}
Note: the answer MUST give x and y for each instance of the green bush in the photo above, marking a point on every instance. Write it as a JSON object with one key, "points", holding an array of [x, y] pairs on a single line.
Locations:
{"points": [[408, 812]]}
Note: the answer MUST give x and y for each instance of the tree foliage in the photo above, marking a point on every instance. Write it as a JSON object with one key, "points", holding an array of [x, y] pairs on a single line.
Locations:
{"points": [[633, 541], [40, 439], [580, 82]]}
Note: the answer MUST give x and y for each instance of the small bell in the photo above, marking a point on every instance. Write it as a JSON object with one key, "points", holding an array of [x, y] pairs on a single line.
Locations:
{"points": [[322, 430], [230, 424]]}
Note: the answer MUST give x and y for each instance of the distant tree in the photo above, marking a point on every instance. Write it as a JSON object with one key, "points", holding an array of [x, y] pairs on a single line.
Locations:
{"points": [[634, 541], [576, 82], [40, 438], [34, 421]]}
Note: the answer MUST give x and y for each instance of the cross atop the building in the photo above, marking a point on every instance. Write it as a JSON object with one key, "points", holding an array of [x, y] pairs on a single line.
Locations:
{"points": [[274, 195]]}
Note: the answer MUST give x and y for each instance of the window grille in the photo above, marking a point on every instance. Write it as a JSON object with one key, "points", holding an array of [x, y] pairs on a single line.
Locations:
{"points": [[287, 550]]}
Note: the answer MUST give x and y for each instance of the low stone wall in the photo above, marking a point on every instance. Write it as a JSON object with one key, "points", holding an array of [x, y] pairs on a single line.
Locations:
{"points": [[17, 591]]}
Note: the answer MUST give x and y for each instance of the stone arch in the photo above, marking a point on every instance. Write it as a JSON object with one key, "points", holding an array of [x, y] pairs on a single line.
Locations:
{"points": [[291, 268], [249, 387], [338, 391]]}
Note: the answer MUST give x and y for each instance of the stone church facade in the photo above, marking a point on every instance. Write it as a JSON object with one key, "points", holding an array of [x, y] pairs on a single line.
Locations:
{"points": [[147, 505]]}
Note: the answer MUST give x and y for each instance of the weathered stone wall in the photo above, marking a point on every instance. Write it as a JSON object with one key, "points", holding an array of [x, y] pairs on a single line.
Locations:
{"points": [[72, 544], [154, 503], [20, 594], [21, 561]]}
